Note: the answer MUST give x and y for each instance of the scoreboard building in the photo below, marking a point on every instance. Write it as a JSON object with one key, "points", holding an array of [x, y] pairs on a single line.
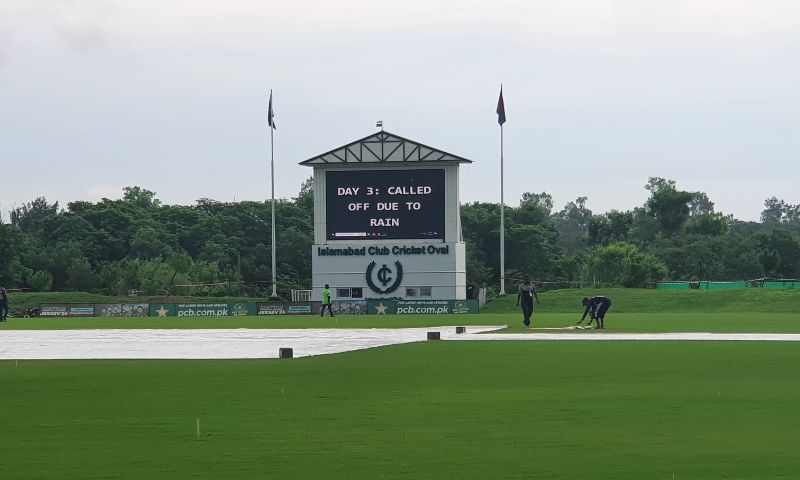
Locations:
{"points": [[387, 222]]}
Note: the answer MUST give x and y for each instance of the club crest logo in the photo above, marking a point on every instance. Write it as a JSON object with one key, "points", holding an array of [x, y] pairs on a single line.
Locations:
{"points": [[388, 278]]}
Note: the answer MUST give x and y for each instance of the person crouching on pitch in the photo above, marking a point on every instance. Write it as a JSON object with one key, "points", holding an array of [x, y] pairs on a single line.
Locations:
{"points": [[597, 306], [527, 292]]}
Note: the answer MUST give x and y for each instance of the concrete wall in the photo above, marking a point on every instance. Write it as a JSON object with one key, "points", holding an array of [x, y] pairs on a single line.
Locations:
{"points": [[442, 268]]}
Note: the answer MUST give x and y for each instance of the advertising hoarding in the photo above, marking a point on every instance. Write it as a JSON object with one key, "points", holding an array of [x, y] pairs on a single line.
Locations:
{"points": [[422, 307]]}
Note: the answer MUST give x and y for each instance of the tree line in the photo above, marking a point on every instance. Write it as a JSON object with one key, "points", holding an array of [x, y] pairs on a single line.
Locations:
{"points": [[223, 248]]}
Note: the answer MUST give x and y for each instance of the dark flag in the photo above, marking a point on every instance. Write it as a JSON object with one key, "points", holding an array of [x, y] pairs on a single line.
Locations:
{"points": [[271, 114], [501, 109]]}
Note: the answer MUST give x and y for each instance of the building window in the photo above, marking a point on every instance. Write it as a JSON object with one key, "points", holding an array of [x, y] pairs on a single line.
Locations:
{"points": [[356, 292], [343, 293], [418, 291]]}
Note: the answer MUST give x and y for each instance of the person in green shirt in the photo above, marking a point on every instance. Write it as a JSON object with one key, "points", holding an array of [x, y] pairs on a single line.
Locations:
{"points": [[326, 301]]}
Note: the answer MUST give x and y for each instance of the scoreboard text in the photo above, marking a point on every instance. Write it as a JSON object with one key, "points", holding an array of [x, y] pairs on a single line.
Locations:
{"points": [[385, 204]]}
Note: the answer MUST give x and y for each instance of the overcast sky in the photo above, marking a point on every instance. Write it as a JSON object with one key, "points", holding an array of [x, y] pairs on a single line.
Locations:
{"points": [[171, 95]]}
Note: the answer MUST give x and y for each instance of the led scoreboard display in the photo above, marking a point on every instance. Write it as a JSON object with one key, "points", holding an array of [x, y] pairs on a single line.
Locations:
{"points": [[385, 204]]}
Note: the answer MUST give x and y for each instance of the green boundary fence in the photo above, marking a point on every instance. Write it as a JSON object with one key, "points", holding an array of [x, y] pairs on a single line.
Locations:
{"points": [[711, 285], [235, 309]]}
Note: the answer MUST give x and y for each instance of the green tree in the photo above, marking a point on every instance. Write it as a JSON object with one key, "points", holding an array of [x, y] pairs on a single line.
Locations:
{"points": [[140, 197], [138, 243], [534, 209], [623, 264], [154, 276], [610, 227], [645, 228], [256, 266], [570, 267], [478, 272], [293, 259], [60, 260], [11, 243], [572, 224], [305, 199], [115, 222], [773, 210], [533, 250], [667, 204], [147, 243], [181, 264], [709, 224], [80, 275], [784, 248], [30, 216], [700, 204], [40, 281], [114, 278], [480, 224], [778, 211], [709, 257], [71, 228]]}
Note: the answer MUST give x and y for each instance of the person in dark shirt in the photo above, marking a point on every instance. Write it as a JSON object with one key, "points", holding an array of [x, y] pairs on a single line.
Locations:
{"points": [[597, 306], [526, 294], [3, 304]]}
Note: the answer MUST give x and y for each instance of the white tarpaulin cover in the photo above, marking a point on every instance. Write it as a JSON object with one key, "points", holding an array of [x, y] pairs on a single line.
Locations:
{"points": [[264, 343]]}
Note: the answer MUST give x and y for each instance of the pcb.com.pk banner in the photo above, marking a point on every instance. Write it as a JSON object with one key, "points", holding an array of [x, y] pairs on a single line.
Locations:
{"points": [[228, 309], [422, 307], [351, 307]]}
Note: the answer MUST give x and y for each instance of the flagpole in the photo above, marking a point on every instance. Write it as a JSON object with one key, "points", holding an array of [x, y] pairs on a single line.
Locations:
{"points": [[502, 222], [501, 119], [272, 178]]}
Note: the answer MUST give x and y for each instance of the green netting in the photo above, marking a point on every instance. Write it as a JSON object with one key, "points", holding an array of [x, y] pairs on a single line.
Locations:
{"points": [[728, 285], [782, 284], [673, 286], [723, 285], [701, 285]]}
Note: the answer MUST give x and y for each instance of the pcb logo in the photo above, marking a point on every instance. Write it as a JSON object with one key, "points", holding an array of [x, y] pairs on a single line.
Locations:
{"points": [[388, 278]]}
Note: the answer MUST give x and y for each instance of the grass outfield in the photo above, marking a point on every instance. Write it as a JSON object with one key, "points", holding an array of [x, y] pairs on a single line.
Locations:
{"points": [[625, 300], [636, 300], [562, 410]]}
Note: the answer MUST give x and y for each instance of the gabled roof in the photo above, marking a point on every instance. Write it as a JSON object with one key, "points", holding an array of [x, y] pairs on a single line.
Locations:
{"points": [[383, 147]]}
